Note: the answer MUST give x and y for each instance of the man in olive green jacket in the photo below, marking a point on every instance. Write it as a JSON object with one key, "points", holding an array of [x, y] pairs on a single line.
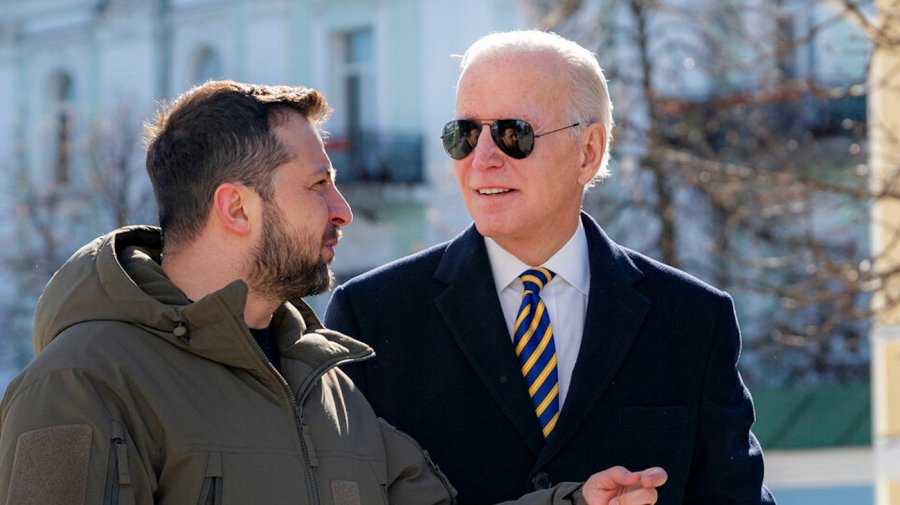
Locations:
{"points": [[189, 370]]}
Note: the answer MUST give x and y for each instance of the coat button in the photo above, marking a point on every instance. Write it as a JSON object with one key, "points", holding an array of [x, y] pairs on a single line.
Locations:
{"points": [[542, 481]]}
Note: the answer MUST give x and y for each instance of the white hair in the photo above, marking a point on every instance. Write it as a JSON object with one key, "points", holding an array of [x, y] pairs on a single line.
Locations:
{"points": [[588, 98]]}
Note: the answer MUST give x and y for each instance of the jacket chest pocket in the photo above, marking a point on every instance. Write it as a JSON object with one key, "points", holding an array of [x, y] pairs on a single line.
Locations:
{"points": [[118, 489], [212, 488], [238, 477]]}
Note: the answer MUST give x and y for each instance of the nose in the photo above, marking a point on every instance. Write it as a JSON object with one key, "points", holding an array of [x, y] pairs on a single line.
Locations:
{"points": [[338, 209], [486, 154]]}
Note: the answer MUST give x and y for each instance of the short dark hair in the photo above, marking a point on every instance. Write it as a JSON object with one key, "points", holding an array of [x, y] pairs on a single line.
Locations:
{"points": [[217, 132]]}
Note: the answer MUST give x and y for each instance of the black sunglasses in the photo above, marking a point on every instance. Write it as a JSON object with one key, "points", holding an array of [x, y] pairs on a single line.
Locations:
{"points": [[515, 137]]}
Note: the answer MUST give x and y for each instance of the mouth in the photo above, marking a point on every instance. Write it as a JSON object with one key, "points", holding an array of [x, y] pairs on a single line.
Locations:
{"points": [[330, 240], [332, 237], [493, 191]]}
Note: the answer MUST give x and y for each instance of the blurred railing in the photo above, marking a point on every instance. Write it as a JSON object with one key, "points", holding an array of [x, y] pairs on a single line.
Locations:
{"points": [[368, 156], [724, 121], [835, 115], [817, 115]]}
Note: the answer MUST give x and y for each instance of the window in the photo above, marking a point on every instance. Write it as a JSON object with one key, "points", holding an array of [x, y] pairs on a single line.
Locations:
{"points": [[63, 99], [362, 149], [359, 79]]}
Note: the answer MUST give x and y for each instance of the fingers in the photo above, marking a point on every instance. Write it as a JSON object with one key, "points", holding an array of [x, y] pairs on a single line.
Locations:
{"points": [[612, 479], [602, 486], [619, 486], [640, 496], [646, 494], [653, 477], [618, 477]]}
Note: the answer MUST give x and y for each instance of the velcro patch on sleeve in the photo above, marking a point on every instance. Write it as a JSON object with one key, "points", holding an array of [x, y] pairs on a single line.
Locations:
{"points": [[345, 492], [51, 466]]}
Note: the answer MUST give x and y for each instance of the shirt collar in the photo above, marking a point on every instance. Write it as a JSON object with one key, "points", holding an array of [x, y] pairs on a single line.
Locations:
{"points": [[570, 263]]}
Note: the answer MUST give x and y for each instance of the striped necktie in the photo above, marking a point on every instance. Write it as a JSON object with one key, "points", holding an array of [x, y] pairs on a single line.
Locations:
{"points": [[533, 340]]}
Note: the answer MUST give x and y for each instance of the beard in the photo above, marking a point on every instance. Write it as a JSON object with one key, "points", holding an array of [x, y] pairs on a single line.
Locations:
{"points": [[289, 267]]}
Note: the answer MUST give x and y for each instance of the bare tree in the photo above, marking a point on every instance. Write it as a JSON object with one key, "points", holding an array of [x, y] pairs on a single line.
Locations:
{"points": [[116, 172], [52, 216], [743, 166]]}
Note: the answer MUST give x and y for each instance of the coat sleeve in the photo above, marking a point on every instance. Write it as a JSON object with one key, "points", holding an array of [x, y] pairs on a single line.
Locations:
{"points": [[566, 493], [60, 442], [413, 478], [728, 461]]}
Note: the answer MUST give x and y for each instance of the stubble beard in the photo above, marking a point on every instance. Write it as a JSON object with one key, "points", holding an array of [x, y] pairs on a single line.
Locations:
{"points": [[285, 267]]}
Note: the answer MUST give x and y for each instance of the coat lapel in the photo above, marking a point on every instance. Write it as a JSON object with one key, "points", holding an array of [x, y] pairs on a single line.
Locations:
{"points": [[472, 312], [614, 316]]}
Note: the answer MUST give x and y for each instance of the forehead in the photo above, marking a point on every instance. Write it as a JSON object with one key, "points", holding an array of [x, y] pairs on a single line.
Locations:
{"points": [[529, 86], [300, 138], [305, 146]]}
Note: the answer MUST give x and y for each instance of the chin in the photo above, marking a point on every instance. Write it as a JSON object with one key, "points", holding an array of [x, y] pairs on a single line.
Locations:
{"points": [[492, 227], [492, 233]]}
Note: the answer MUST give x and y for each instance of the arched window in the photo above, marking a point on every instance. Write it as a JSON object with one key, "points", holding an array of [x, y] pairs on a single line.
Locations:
{"points": [[62, 100], [207, 65]]}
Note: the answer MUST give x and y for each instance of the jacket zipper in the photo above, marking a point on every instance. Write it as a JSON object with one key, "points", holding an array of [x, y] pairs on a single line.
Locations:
{"points": [[384, 494], [118, 473], [209, 493], [111, 497], [298, 420], [305, 440], [311, 461], [211, 490]]}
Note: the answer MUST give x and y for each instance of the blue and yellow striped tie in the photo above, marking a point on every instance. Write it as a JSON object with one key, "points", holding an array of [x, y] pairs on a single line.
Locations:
{"points": [[533, 340]]}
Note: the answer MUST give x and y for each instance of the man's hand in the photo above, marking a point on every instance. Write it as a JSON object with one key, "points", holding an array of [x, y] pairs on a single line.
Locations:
{"points": [[618, 486]]}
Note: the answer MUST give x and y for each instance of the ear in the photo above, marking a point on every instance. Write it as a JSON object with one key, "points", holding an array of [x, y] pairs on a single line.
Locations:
{"points": [[593, 146], [232, 205]]}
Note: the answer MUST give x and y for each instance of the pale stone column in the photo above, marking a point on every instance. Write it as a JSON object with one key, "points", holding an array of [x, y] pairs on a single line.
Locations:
{"points": [[884, 136]]}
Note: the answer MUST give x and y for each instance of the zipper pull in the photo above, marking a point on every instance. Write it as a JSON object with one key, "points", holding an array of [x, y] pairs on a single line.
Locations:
{"points": [[124, 471], [118, 439]]}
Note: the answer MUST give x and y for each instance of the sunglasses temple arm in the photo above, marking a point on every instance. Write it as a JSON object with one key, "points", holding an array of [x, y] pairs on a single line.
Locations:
{"points": [[573, 125]]}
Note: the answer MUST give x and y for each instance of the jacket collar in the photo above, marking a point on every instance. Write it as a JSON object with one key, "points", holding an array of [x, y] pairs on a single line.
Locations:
{"points": [[118, 277]]}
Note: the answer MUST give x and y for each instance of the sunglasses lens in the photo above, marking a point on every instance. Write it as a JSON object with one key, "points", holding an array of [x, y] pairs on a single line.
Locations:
{"points": [[460, 137], [515, 137]]}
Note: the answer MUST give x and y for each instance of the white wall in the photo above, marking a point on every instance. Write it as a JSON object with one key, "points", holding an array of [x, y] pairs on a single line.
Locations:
{"points": [[843, 476]]}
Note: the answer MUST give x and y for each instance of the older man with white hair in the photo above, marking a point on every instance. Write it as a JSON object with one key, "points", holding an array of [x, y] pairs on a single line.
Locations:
{"points": [[532, 349]]}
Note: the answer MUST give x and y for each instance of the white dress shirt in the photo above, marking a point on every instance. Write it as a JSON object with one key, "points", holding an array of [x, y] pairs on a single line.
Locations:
{"points": [[565, 297]]}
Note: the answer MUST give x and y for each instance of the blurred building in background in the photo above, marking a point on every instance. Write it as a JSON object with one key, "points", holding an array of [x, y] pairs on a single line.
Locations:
{"points": [[77, 79], [740, 156]]}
